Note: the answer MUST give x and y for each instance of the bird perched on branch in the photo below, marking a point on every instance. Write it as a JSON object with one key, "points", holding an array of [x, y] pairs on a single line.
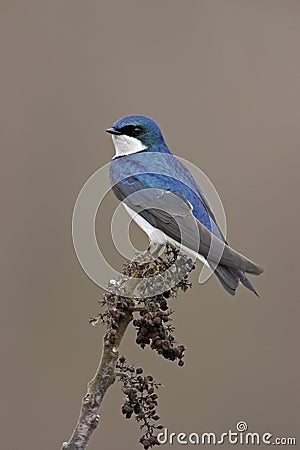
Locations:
{"points": [[164, 199]]}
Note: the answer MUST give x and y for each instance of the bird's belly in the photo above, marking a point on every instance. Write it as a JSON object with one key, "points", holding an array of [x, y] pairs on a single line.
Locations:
{"points": [[155, 236]]}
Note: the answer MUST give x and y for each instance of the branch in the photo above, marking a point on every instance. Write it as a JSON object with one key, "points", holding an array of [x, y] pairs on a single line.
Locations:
{"points": [[104, 377], [97, 388], [121, 305]]}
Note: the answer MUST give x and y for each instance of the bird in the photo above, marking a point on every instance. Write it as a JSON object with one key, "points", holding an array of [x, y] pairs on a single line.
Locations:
{"points": [[164, 199]]}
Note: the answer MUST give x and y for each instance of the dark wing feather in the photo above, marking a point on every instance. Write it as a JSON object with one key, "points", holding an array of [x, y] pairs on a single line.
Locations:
{"points": [[172, 214]]}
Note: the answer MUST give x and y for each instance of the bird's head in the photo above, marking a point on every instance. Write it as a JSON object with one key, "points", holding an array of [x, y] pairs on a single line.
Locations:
{"points": [[132, 134]]}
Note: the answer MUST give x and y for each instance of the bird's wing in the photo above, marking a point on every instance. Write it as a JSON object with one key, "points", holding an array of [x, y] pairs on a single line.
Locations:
{"points": [[209, 210], [182, 169], [172, 214]]}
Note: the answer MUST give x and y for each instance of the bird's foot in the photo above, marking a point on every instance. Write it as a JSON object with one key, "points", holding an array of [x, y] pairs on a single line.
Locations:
{"points": [[151, 255]]}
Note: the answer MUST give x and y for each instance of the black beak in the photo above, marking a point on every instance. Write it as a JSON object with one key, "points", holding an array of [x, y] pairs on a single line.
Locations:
{"points": [[112, 130]]}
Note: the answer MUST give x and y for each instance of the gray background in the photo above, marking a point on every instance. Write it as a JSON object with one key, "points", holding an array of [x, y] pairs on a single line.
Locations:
{"points": [[222, 79]]}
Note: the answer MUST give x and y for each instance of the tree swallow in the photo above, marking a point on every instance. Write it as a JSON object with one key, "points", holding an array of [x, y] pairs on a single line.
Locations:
{"points": [[164, 199]]}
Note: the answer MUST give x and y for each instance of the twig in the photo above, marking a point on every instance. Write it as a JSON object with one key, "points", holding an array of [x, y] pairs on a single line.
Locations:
{"points": [[97, 388], [104, 377]]}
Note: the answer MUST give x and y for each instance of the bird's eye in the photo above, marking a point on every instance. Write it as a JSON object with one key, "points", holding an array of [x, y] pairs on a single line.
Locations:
{"points": [[137, 130], [131, 130]]}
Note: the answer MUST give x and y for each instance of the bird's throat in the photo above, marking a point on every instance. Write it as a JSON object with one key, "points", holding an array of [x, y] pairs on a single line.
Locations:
{"points": [[127, 145]]}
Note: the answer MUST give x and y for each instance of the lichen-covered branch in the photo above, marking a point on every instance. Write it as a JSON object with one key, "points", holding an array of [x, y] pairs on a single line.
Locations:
{"points": [[97, 388], [138, 291]]}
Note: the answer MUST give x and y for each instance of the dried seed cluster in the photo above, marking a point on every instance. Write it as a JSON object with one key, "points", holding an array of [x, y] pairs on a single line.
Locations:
{"points": [[153, 329], [152, 325], [141, 401]]}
